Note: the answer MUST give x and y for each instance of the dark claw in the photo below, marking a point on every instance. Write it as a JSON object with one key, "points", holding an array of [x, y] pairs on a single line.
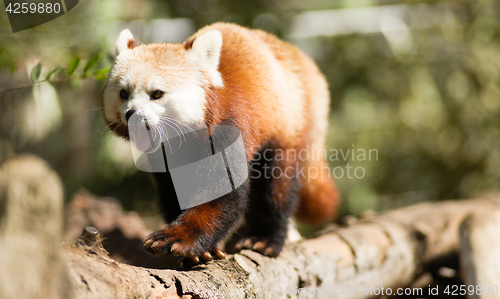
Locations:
{"points": [[220, 254], [206, 256]]}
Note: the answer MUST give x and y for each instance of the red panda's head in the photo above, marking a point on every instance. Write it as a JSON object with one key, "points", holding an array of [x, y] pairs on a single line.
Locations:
{"points": [[161, 81]]}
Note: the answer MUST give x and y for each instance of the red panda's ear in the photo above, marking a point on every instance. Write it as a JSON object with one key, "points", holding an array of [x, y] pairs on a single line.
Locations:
{"points": [[125, 41], [204, 51]]}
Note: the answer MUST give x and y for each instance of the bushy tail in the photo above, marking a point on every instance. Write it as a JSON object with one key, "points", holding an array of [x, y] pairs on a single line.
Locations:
{"points": [[319, 198]]}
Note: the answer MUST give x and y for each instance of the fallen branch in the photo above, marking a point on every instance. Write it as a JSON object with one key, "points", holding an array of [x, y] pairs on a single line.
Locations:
{"points": [[389, 250]]}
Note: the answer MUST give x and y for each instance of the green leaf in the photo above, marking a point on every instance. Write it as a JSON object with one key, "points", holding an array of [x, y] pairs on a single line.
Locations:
{"points": [[35, 72], [73, 65], [92, 61], [55, 72], [101, 74]]}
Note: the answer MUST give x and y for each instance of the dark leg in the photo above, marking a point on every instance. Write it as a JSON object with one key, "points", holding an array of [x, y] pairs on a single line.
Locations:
{"points": [[197, 231], [273, 199], [168, 203]]}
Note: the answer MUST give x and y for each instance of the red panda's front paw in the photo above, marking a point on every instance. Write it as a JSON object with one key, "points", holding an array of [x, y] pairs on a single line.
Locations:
{"points": [[173, 240], [169, 241]]}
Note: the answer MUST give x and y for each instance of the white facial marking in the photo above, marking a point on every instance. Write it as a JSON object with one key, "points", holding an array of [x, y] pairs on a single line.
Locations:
{"points": [[181, 76]]}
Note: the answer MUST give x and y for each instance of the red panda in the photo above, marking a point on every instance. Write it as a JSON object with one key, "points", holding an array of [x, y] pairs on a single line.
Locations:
{"points": [[268, 89]]}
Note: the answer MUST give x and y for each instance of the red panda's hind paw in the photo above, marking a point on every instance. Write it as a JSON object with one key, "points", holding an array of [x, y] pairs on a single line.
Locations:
{"points": [[265, 246], [189, 262]]}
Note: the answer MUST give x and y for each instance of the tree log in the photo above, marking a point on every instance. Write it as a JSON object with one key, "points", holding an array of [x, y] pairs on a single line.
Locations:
{"points": [[480, 253], [31, 218], [387, 250]]}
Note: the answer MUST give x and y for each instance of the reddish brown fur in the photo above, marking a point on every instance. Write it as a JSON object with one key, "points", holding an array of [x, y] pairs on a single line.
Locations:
{"points": [[276, 96], [198, 222], [248, 101]]}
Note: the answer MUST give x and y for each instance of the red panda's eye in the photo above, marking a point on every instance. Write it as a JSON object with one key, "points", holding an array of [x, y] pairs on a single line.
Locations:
{"points": [[156, 94], [123, 94]]}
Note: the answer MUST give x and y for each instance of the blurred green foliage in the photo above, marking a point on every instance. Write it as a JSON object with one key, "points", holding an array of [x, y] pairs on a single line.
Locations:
{"points": [[426, 97], [433, 112]]}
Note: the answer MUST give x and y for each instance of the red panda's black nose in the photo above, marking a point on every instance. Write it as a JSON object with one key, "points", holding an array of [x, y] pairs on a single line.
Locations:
{"points": [[129, 114]]}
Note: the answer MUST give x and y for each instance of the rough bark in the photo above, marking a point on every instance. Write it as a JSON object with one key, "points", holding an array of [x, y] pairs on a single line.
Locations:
{"points": [[389, 249]]}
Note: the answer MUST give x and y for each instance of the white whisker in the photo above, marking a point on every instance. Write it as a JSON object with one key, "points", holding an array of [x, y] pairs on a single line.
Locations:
{"points": [[178, 123]]}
